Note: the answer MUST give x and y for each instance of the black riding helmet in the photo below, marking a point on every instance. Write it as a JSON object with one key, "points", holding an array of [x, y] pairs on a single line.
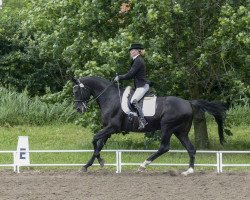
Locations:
{"points": [[136, 46]]}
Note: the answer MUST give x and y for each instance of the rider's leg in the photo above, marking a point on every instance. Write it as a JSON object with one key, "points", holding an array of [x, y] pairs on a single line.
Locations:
{"points": [[139, 93], [142, 121]]}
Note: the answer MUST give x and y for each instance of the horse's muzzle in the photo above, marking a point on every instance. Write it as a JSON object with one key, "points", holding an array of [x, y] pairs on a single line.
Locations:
{"points": [[80, 109], [80, 106]]}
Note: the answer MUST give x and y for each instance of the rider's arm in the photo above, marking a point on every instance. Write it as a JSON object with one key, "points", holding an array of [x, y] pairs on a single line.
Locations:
{"points": [[132, 72]]}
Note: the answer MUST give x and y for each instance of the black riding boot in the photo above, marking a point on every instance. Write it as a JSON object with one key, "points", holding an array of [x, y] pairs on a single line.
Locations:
{"points": [[142, 120]]}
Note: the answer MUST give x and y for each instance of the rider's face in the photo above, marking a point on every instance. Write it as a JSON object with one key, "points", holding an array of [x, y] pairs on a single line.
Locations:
{"points": [[133, 53]]}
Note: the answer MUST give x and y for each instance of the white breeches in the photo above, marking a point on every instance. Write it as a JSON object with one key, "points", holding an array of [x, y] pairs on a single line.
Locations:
{"points": [[139, 93]]}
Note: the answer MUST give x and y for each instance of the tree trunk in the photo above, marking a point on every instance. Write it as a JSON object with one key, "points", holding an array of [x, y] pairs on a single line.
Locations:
{"points": [[200, 125], [200, 130]]}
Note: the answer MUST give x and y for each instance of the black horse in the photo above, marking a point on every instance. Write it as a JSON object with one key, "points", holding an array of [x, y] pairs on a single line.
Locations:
{"points": [[173, 116]]}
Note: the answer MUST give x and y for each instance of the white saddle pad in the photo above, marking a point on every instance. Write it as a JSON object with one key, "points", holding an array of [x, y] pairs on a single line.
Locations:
{"points": [[148, 108]]}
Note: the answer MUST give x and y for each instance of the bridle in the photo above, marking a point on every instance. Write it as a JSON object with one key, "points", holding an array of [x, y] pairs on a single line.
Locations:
{"points": [[86, 102]]}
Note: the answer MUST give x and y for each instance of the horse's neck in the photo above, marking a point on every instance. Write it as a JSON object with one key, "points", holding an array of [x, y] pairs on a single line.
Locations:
{"points": [[97, 87], [104, 94]]}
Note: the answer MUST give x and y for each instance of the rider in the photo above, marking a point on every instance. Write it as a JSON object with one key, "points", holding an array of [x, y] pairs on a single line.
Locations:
{"points": [[138, 73]]}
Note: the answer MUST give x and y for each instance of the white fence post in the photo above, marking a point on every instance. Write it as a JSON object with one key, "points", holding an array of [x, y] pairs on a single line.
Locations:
{"points": [[120, 161], [218, 161], [117, 161], [221, 164], [14, 161]]}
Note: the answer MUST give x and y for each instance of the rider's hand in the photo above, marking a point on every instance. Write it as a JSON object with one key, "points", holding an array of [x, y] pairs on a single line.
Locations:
{"points": [[116, 78]]}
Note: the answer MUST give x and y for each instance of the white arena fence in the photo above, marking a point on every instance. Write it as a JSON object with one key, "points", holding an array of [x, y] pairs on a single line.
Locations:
{"points": [[119, 163]]}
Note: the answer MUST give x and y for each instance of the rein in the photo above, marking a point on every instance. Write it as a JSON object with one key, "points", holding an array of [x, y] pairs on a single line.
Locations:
{"points": [[119, 92]]}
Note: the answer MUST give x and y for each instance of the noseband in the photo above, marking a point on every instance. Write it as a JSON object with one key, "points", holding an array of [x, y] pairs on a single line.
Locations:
{"points": [[83, 103]]}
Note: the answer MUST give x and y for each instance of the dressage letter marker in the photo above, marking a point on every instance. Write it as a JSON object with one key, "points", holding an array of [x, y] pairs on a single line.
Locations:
{"points": [[22, 156]]}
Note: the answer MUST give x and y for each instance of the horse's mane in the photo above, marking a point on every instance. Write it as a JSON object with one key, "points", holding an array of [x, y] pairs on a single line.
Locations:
{"points": [[97, 79]]}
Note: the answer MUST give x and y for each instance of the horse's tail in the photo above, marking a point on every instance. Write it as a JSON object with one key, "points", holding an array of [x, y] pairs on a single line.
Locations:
{"points": [[217, 109]]}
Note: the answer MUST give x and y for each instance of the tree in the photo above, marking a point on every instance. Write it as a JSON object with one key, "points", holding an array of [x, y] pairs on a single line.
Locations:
{"points": [[22, 63], [194, 49]]}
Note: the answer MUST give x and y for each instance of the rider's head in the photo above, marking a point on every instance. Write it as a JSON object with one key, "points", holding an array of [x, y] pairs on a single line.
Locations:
{"points": [[136, 49]]}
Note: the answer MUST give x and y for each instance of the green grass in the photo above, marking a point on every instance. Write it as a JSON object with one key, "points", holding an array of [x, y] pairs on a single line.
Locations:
{"points": [[72, 137]]}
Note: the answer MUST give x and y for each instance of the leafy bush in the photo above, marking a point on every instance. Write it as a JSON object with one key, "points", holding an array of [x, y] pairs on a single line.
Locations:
{"points": [[239, 115], [18, 108]]}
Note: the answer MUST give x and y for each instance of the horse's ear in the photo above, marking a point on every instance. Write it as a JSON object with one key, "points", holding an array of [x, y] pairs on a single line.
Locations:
{"points": [[74, 80]]}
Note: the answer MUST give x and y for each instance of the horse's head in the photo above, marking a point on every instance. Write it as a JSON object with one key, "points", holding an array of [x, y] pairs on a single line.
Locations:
{"points": [[81, 96]]}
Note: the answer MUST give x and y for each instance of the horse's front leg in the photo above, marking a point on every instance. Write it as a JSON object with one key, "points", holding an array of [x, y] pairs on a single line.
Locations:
{"points": [[96, 154], [98, 142], [100, 145], [92, 159]]}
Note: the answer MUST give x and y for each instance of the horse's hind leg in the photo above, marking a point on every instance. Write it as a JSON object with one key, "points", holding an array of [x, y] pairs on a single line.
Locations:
{"points": [[164, 147], [185, 141]]}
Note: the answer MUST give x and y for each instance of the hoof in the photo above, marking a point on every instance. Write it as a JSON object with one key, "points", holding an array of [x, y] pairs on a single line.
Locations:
{"points": [[189, 171], [102, 162], [84, 169], [141, 169]]}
